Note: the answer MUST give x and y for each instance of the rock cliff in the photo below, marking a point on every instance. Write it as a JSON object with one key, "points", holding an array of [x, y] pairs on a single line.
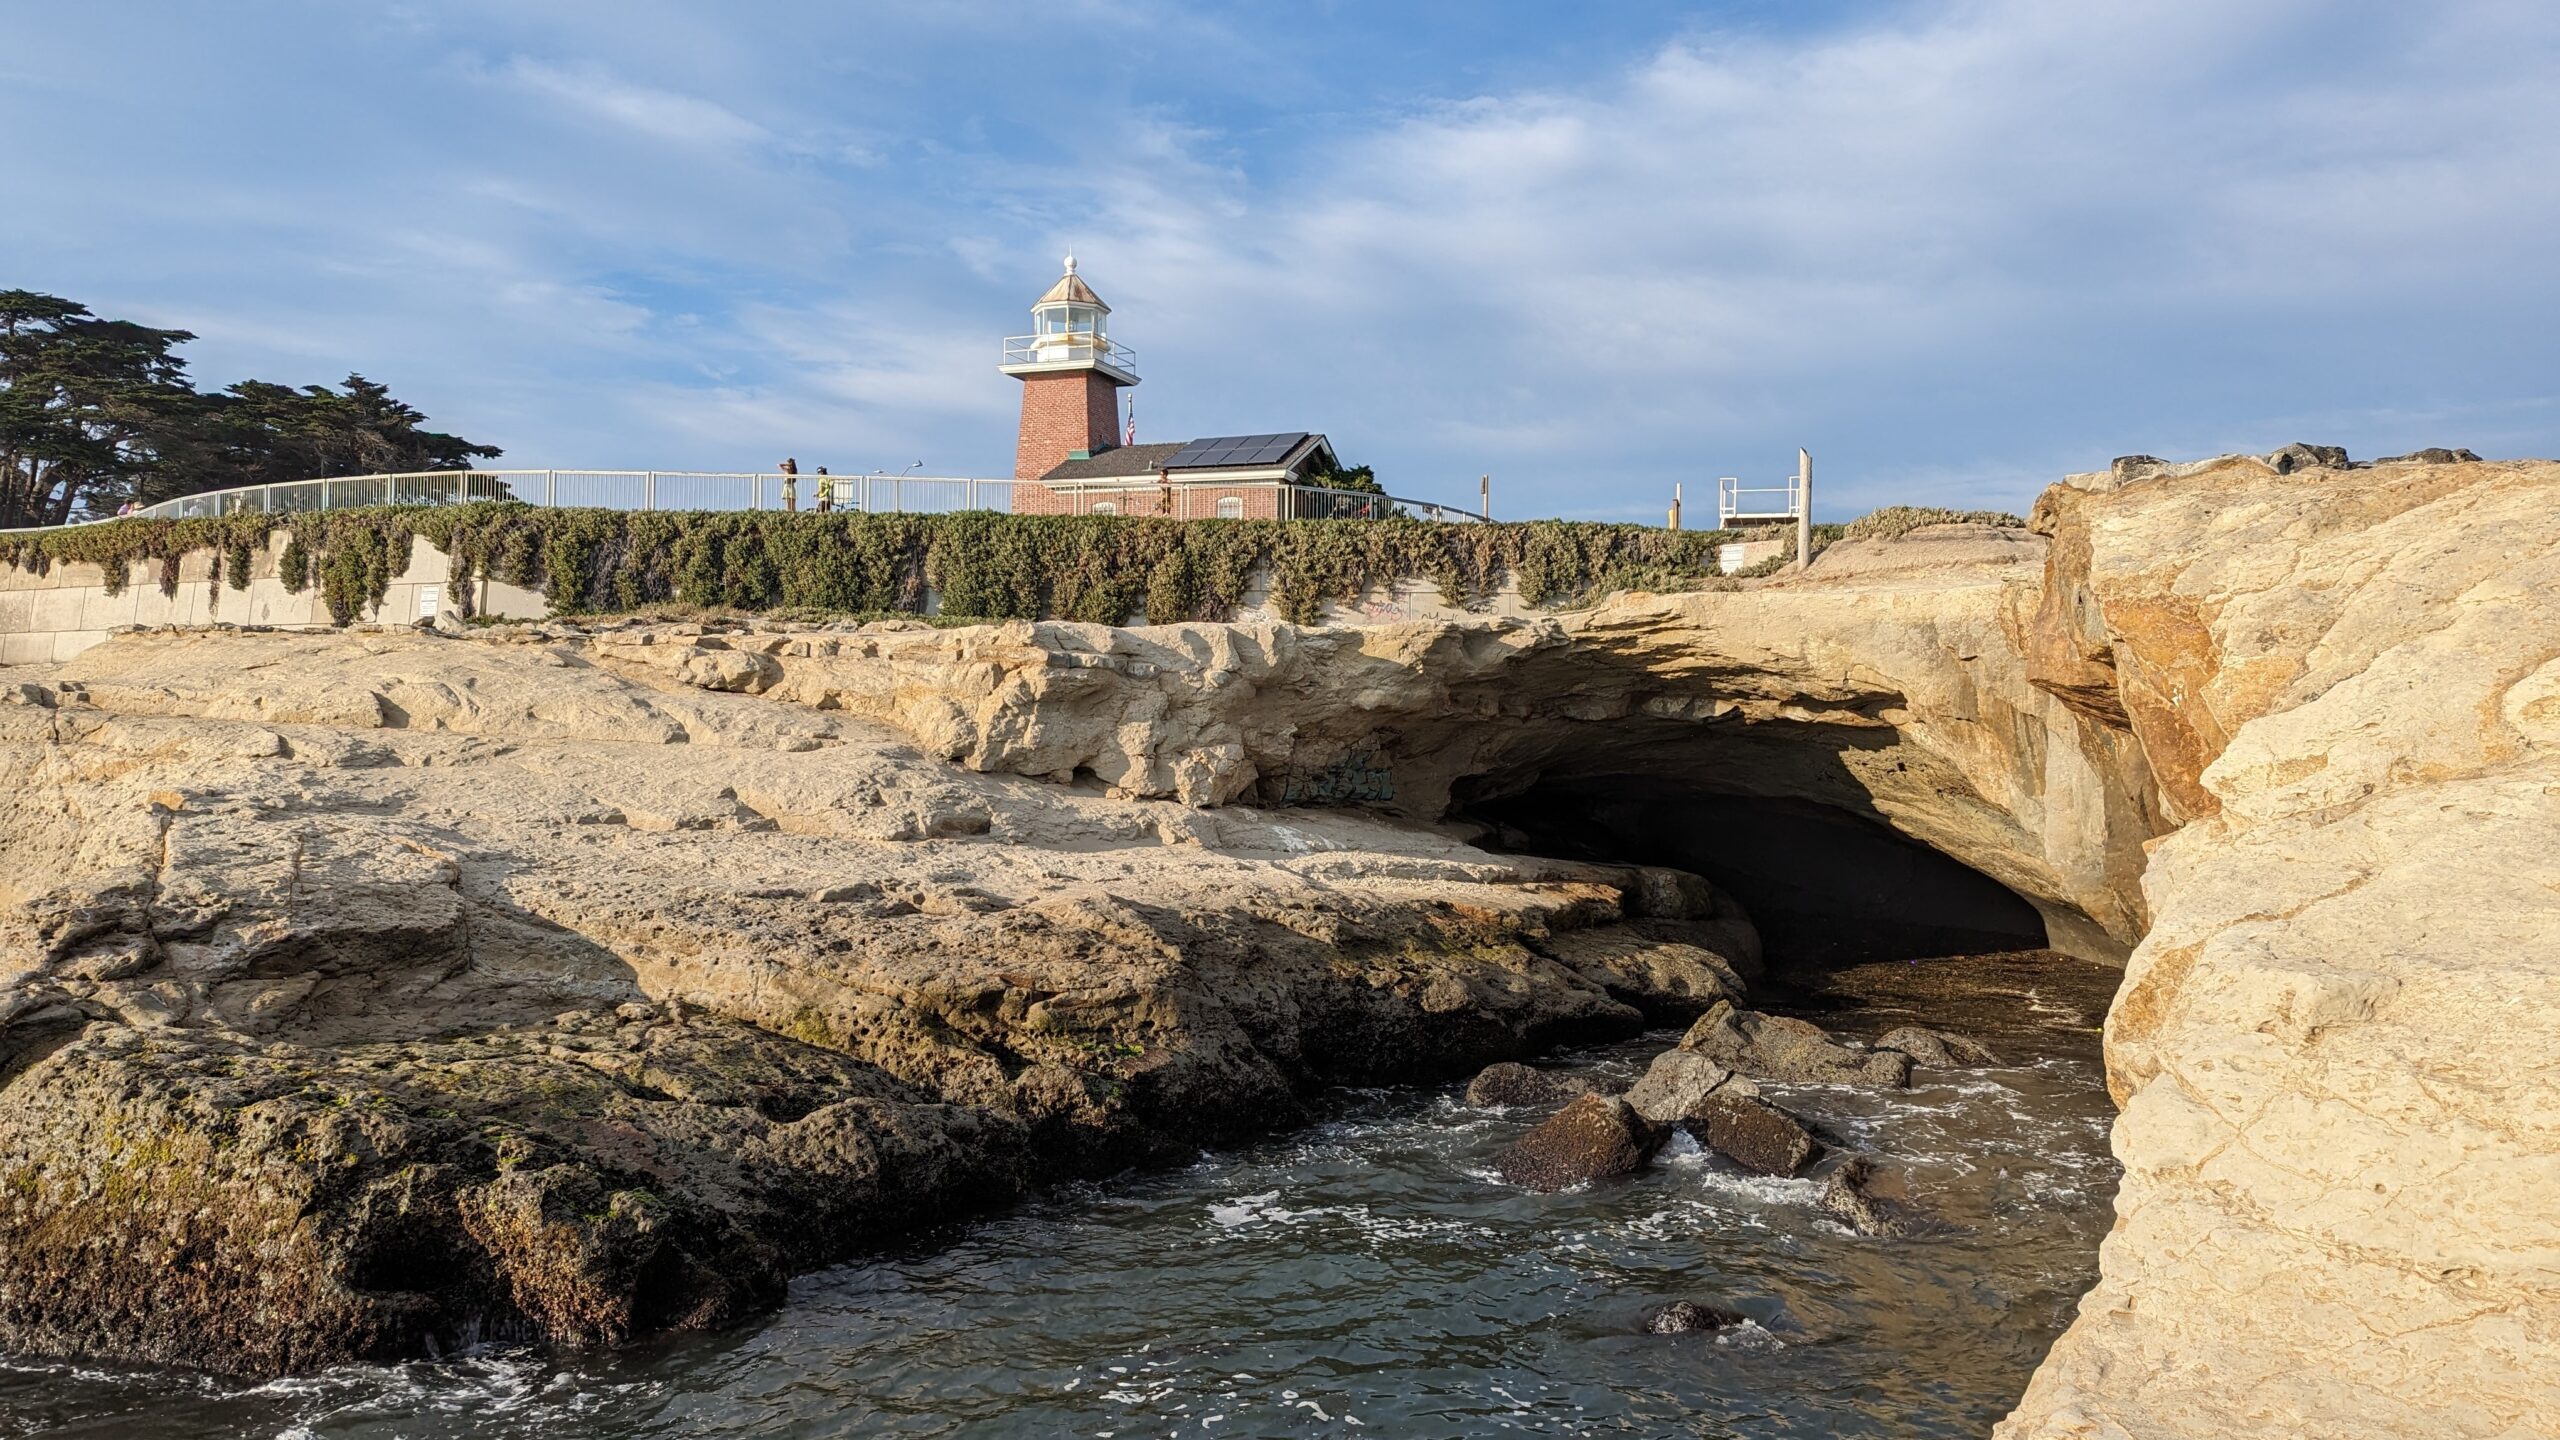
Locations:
{"points": [[364, 992], [2335, 1048]]}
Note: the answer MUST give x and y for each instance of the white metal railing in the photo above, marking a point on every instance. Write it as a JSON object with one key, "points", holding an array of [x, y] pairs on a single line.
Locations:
{"points": [[1074, 348], [719, 490], [1748, 504], [602, 490]]}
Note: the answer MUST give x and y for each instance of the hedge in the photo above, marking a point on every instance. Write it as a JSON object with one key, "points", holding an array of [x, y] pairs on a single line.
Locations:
{"points": [[1895, 521], [982, 564]]}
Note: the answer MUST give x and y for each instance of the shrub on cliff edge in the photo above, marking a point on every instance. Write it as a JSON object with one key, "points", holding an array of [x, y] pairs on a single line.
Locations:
{"points": [[983, 564]]}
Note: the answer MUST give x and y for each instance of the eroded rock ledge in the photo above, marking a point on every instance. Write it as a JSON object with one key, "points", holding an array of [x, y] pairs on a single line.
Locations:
{"points": [[366, 994]]}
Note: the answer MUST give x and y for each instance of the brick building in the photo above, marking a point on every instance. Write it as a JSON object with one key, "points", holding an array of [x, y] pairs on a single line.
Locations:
{"points": [[1069, 457]]}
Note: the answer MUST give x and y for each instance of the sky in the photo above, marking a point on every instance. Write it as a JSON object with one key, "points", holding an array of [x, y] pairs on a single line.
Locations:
{"points": [[1955, 249]]}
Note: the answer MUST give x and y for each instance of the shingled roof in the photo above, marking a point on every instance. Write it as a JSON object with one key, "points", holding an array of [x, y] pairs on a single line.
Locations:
{"points": [[1117, 463], [1072, 289]]}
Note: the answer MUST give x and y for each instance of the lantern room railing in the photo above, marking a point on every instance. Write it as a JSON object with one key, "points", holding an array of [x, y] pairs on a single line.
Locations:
{"points": [[1072, 348]]}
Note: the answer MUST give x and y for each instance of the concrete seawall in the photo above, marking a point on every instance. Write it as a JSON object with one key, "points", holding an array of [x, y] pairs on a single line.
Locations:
{"points": [[54, 616]]}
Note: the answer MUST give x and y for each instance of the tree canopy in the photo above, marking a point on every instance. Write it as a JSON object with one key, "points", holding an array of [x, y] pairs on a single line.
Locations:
{"points": [[97, 412], [1337, 476]]}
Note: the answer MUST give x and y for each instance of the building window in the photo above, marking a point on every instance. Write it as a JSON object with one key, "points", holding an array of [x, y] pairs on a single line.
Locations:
{"points": [[1230, 507], [1105, 507]]}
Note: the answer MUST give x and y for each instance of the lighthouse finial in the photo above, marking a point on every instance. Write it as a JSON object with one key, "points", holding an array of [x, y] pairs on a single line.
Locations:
{"points": [[1071, 262]]}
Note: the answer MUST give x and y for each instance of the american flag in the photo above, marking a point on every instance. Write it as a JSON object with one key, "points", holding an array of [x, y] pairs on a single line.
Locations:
{"points": [[1131, 436]]}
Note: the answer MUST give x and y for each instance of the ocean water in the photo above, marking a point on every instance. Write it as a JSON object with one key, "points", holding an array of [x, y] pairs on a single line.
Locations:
{"points": [[1366, 1276]]}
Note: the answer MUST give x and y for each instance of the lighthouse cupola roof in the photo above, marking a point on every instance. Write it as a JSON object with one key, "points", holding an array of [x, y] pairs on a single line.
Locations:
{"points": [[1070, 290]]}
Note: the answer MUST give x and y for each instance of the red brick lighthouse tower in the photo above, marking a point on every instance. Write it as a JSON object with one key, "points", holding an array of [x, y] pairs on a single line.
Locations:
{"points": [[1072, 375]]}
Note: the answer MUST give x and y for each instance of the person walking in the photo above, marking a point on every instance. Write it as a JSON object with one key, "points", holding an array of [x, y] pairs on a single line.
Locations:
{"points": [[790, 483]]}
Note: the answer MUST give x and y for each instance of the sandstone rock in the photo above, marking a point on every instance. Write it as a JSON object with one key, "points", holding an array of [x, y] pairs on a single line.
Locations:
{"points": [[1753, 1133], [2336, 1214], [1936, 1048], [1682, 1317], [1675, 1084], [2432, 455], [1670, 977], [1863, 1198], [1776, 1047], [1918, 661], [1509, 1084], [1723, 1112], [472, 984], [1931, 548], [2308, 457], [1596, 1137]]}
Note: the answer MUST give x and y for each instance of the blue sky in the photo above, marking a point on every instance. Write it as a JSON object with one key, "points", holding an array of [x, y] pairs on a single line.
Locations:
{"points": [[1955, 249]]}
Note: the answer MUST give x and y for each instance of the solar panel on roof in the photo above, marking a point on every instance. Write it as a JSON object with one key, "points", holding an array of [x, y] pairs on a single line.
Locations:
{"points": [[1231, 451]]}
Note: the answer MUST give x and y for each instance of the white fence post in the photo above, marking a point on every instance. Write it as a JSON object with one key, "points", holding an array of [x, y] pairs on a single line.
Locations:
{"points": [[1804, 508]]}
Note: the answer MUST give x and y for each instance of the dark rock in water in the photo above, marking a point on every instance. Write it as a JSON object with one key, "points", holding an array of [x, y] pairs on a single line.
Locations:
{"points": [[2432, 455], [1937, 1048], [2298, 456], [1774, 1047], [1753, 1133], [1595, 1137], [1683, 1316], [1853, 1197], [1724, 1112], [1676, 1084], [1513, 1084]]}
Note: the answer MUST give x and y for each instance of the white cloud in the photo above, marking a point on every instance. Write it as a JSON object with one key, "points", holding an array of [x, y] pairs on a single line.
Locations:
{"points": [[657, 114]]}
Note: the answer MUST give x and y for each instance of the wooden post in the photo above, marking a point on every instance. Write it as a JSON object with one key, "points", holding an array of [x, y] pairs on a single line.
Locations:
{"points": [[1484, 497], [1804, 508], [1675, 505]]}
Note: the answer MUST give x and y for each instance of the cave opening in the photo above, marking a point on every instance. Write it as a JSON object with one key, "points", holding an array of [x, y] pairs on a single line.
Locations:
{"points": [[1826, 886]]}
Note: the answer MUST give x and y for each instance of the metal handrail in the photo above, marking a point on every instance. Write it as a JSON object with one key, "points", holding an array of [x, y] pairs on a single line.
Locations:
{"points": [[1074, 348], [1734, 500], [707, 490]]}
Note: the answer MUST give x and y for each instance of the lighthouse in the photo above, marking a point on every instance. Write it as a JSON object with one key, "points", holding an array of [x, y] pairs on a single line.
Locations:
{"points": [[1070, 458], [1071, 375]]}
